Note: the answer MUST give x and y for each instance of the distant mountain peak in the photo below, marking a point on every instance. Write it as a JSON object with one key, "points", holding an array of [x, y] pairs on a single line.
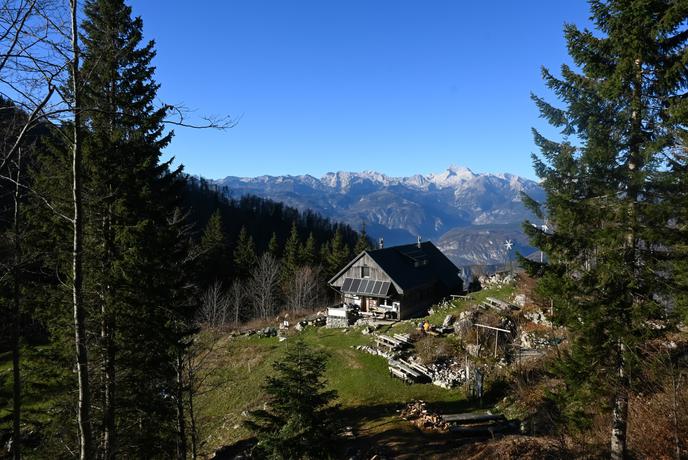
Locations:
{"points": [[433, 205], [460, 170]]}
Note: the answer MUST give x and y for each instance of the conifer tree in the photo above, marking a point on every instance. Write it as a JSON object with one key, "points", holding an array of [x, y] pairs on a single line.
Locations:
{"points": [[298, 422], [292, 254], [336, 254], [308, 251], [244, 255], [130, 243], [363, 243], [273, 246], [213, 248], [622, 116]]}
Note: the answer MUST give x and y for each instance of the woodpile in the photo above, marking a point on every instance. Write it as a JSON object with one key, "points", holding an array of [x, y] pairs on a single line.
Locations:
{"points": [[417, 413], [470, 425]]}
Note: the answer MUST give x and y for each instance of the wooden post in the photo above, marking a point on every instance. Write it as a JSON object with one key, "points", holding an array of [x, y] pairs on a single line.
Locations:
{"points": [[496, 341]]}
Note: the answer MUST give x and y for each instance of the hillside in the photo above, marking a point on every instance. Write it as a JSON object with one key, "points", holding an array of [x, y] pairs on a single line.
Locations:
{"points": [[369, 396], [260, 216], [518, 384], [435, 206]]}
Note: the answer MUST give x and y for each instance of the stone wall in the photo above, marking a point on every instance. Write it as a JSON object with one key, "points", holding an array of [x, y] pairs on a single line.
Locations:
{"points": [[334, 322]]}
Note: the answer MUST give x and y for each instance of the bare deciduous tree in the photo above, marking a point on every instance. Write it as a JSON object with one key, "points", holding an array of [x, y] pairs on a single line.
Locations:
{"points": [[237, 297], [263, 286], [215, 306], [302, 289]]}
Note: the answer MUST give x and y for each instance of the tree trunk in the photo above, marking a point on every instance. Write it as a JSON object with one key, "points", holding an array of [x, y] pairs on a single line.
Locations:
{"points": [[107, 330], [84, 404], [16, 323], [109, 435], [192, 415], [635, 165], [620, 411], [181, 421]]}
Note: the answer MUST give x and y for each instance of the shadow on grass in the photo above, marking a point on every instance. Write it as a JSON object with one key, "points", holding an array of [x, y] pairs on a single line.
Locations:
{"points": [[379, 429]]}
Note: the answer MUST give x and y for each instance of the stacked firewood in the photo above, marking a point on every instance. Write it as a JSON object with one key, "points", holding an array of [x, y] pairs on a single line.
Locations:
{"points": [[417, 413]]}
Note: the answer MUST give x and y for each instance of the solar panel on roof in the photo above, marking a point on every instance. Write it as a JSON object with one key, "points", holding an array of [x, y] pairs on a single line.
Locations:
{"points": [[355, 284], [365, 287], [384, 289], [346, 287]]}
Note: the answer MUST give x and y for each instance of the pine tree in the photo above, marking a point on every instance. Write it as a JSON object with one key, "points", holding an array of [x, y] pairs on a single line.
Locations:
{"points": [[622, 117], [244, 255], [292, 254], [336, 254], [363, 243], [273, 246], [308, 251], [129, 240], [299, 422], [213, 248]]}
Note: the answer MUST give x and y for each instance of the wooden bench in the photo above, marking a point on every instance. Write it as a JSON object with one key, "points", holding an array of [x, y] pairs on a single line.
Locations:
{"points": [[404, 372], [393, 343], [491, 302], [405, 338]]}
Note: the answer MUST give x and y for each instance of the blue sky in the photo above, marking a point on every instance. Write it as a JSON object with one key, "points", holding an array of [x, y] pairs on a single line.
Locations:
{"points": [[401, 87]]}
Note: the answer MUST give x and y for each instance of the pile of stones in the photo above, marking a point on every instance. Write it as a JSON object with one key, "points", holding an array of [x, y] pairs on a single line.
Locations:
{"points": [[374, 351], [447, 375]]}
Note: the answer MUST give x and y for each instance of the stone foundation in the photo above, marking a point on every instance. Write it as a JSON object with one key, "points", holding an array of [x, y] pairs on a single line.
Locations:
{"points": [[335, 322]]}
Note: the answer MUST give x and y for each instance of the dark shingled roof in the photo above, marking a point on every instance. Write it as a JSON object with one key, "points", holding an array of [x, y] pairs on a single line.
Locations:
{"points": [[410, 266]]}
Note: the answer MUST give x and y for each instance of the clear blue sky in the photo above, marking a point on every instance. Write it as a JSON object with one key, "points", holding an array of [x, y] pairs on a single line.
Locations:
{"points": [[401, 87]]}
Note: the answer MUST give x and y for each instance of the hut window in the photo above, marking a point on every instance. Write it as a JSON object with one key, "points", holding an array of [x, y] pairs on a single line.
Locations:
{"points": [[365, 272]]}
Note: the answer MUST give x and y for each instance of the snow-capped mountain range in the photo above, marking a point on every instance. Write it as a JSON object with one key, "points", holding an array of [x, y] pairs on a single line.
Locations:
{"points": [[468, 215]]}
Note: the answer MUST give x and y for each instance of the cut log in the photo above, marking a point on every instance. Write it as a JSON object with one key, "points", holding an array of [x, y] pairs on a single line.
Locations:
{"points": [[467, 419], [487, 429]]}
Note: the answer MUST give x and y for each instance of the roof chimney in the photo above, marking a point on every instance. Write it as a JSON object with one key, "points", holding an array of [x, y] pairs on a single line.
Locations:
{"points": [[381, 243], [418, 241]]}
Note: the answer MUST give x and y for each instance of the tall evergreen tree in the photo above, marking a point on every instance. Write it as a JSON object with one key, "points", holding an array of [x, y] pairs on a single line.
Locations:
{"points": [[292, 254], [335, 254], [213, 252], [309, 253], [363, 243], [607, 191], [273, 246], [129, 242], [245, 257]]}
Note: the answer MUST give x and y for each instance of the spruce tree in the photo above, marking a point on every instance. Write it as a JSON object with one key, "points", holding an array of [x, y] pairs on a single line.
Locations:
{"points": [[606, 181], [336, 254], [245, 258], [129, 239], [363, 243], [308, 251], [299, 420], [273, 246], [292, 254], [213, 252]]}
